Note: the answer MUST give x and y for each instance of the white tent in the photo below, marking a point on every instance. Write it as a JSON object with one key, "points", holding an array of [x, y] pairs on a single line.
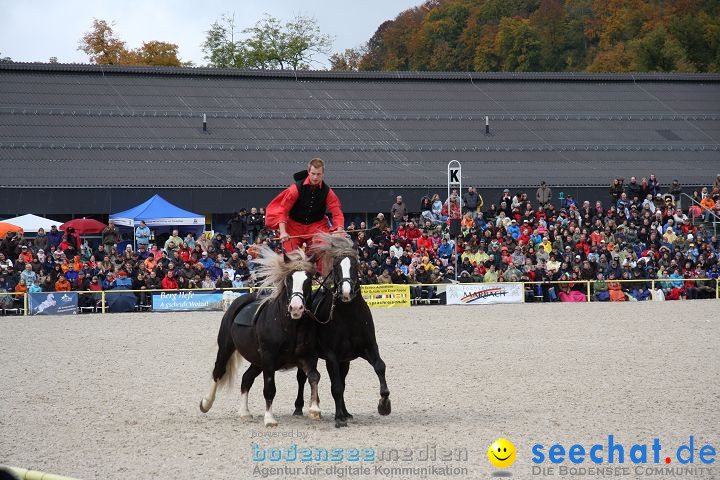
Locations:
{"points": [[32, 223]]}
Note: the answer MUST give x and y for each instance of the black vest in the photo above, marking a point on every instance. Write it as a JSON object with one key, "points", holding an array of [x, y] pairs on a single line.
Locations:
{"points": [[311, 204]]}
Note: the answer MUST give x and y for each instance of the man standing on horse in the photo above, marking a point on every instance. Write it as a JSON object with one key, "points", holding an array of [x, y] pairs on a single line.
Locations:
{"points": [[298, 212]]}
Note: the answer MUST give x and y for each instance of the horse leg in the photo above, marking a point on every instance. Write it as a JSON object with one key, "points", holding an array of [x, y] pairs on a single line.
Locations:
{"points": [[373, 357], [247, 381], [337, 387], [300, 400], [269, 390], [309, 368], [226, 363], [344, 368]]}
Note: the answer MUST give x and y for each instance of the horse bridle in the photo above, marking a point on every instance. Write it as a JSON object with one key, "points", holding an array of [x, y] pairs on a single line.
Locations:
{"points": [[338, 288], [302, 299], [336, 294]]}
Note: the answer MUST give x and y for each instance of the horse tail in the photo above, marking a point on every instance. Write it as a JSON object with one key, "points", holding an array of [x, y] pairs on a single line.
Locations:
{"points": [[228, 358], [226, 363], [231, 369]]}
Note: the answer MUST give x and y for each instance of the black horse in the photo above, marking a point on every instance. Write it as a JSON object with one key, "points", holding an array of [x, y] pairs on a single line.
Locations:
{"points": [[345, 330], [282, 336]]}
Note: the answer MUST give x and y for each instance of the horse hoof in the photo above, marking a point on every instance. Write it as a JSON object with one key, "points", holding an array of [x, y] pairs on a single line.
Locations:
{"points": [[348, 416], [340, 423], [314, 414], [271, 423], [384, 406], [246, 416], [298, 412], [202, 408]]}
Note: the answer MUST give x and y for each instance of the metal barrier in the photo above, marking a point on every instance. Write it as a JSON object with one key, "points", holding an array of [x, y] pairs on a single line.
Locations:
{"points": [[24, 474], [589, 290]]}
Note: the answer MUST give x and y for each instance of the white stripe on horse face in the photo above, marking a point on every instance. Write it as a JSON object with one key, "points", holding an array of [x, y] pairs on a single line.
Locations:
{"points": [[298, 279], [345, 267]]}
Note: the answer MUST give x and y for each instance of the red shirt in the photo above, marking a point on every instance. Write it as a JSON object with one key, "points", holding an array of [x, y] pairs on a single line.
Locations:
{"points": [[425, 242], [279, 208], [412, 233]]}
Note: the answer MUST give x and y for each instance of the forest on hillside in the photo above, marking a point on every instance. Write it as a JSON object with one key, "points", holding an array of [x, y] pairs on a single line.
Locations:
{"points": [[545, 35]]}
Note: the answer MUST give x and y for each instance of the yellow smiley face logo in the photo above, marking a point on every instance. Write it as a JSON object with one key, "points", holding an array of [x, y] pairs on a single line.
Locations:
{"points": [[501, 453]]}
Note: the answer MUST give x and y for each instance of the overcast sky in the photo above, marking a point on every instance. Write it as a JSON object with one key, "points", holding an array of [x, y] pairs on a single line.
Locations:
{"points": [[35, 30]]}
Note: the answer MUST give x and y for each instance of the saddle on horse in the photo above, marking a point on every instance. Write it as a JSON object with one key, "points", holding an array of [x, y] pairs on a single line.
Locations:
{"points": [[249, 308]]}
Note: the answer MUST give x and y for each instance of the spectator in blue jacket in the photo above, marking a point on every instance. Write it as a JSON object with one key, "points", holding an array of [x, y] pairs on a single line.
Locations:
{"points": [[514, 229], [206, 261], [54, 236], [142, 234], [123, 280], [445, 249], [215, 271]]}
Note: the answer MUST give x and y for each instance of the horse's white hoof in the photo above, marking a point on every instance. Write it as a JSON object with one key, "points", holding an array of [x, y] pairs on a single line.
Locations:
{"points": [[271, 423], [314, 414]]}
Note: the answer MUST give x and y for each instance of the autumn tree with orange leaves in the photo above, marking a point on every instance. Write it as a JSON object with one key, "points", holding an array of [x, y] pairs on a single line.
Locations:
{"points": [[103, 47], [546, 35]]}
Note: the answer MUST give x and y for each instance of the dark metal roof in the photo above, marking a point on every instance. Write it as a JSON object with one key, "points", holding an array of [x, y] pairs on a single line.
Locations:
{"points": [[88, 125], [392, 76]]}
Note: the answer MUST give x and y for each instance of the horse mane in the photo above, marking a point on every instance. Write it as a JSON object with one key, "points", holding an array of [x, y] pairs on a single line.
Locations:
{"points": [[329, 247], [272, 270]]}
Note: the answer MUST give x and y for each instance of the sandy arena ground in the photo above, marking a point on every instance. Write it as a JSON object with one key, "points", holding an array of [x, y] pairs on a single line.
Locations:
{"points": [[116, 396]]}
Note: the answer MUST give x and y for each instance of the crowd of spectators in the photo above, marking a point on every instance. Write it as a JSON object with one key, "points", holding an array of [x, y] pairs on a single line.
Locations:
{"points": [[640, 233], [58, 261]]}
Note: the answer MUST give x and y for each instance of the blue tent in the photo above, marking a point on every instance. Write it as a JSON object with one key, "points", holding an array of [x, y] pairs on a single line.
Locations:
{"points": [[161, 214]]}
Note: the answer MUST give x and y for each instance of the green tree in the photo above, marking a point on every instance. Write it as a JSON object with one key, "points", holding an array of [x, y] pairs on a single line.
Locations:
{"points": [[551, 24], [518, 46], [220, 47], [689, 31], [269, 44], [435, 45], [659, 52], [6, 60]]}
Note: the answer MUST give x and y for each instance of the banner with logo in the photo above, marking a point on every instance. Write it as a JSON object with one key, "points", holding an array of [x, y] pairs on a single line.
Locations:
{"points": [[484, 293], [53, 303], [386, 296], [186, 301]]}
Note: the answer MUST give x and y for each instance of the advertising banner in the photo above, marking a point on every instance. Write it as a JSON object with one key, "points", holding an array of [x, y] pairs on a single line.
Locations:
{"points": [[386, 296], [186, 301], [484, 293], [54, 303]]}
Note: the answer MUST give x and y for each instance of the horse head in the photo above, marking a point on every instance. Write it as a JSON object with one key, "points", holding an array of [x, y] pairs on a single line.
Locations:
{"points": [[345, 277], [298, 288]]}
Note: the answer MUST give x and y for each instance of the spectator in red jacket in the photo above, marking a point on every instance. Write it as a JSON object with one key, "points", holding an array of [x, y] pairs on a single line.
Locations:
{"points": [[169, 282], [412, 233], [425, 241]]}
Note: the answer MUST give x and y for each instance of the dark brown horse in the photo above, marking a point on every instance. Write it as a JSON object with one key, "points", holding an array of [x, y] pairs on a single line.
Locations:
{"points": [[345, 330], [282, 336]]}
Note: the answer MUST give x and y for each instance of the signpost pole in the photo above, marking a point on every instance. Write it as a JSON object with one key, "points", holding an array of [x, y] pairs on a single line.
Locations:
{"points": [[454, 179]]}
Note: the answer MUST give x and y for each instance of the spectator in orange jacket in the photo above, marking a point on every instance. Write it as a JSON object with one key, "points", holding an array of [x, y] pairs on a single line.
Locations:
{"points": [[26, 255], [615, 290], [708, 204], [62, 285]]}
